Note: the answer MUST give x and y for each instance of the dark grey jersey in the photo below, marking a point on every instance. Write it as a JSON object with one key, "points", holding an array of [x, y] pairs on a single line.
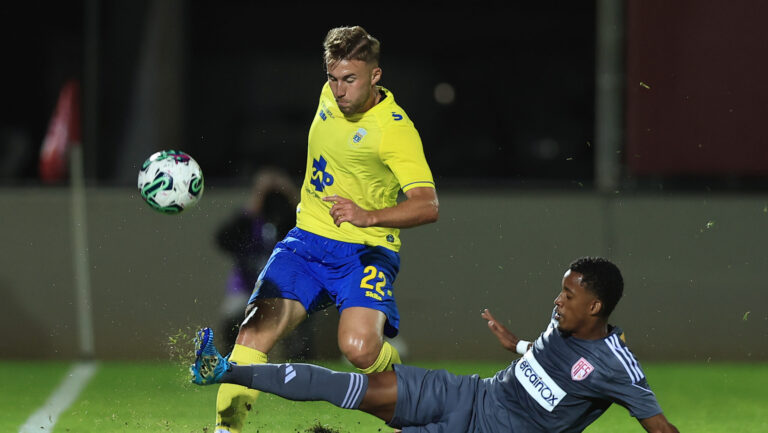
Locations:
{"points": [[563, 384]]}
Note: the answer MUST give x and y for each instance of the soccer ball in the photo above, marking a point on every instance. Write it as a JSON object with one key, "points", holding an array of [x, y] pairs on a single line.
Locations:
{"points": [[170, 181]]}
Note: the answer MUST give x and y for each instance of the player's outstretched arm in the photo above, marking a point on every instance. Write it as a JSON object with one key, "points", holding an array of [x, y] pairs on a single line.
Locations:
{"points": [[420, 207], [658, 424], [507, 339]]}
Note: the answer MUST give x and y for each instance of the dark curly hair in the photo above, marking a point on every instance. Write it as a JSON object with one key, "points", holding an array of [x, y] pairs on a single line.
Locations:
{"points": [[602, 278]]}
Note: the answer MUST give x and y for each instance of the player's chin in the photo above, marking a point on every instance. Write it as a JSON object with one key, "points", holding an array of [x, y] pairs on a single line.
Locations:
{"points": [[346, 107]]}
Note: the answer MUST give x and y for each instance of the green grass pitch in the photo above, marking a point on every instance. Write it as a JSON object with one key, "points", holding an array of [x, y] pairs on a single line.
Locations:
{"points": [[156, 397]]}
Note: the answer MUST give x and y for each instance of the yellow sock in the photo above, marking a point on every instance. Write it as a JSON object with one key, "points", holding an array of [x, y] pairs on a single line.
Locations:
{"points": [[234, 401], [387, 356]]}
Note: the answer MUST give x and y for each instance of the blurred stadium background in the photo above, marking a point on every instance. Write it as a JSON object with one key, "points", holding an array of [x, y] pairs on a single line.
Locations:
{"points": [[620, 128]]}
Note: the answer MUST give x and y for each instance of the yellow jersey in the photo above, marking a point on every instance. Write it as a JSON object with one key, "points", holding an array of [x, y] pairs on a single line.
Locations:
{"points": [[367, 158]]}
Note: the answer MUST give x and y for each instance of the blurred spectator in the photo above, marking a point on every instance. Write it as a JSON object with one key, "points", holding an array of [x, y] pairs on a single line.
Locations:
{"points": [[16, 153], [249, 236]]}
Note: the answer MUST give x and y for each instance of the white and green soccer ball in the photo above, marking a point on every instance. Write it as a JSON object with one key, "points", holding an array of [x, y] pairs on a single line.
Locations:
{"points": [[170, 181]]}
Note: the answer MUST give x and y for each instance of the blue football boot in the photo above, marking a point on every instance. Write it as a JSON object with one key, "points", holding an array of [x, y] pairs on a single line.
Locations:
{"points": [[209, 365]]}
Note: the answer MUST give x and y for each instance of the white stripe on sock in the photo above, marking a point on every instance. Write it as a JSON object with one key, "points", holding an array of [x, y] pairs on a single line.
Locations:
{"points": [[355, 380], [290, 373], [349, 388], [353, 393], [356, 393]]}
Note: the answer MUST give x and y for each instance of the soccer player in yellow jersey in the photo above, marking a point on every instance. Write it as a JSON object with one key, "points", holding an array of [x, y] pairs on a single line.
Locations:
{"points": [[363, 149]]}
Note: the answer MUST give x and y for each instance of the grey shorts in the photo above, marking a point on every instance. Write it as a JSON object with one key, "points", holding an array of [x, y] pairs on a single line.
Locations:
{"points": [[434, 401]]}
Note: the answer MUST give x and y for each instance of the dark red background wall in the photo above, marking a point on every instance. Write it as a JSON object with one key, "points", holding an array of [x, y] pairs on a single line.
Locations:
{"points": [[697, 87]]}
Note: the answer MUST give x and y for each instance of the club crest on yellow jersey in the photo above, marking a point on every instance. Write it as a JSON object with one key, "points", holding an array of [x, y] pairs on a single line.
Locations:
{"points": [[359, 135]]}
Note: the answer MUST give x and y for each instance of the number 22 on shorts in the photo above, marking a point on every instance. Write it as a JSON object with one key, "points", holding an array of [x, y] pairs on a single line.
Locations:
{"points": [[372, 291]]}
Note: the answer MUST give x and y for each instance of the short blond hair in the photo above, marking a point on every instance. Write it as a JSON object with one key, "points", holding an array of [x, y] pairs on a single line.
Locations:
{"points": [[350, 43]]}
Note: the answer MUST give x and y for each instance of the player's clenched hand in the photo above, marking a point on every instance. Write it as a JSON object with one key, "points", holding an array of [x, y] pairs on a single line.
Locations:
{"points": [[345, 210], [507, 339]]}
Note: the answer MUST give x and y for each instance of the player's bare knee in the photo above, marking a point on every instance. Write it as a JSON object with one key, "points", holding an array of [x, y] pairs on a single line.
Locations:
{"points": [[360, 353], [361, 359]]}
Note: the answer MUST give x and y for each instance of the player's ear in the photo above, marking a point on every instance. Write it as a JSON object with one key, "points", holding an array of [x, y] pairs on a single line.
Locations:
{"points": [[375, 75], [595, 307]]}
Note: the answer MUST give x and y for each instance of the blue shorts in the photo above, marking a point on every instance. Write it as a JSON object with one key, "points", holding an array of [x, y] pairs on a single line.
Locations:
{"points": [[320, 272], [434, 401]]}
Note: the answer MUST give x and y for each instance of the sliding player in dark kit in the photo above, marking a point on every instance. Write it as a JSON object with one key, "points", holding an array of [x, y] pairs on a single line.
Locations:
{"points": [[564, 381]]}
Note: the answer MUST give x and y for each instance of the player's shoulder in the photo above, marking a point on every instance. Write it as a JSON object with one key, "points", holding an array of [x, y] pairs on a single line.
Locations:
{"points": [[390, 114], [613, 342], [327, 107], [325, 90], [617, 356]]}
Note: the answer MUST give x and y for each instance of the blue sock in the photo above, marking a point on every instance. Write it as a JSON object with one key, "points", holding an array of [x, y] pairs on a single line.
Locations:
{"points": [[301, 382]]}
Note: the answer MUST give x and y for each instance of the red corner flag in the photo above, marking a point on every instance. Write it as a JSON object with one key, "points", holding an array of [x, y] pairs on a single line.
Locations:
{"points": [[63, 131]]}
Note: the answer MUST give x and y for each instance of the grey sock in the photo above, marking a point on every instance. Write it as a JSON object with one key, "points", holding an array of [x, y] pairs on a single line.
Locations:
{"points": [[302, 382]]}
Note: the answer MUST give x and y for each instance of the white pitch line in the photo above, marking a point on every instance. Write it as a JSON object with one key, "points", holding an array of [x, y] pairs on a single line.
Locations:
{"points": [[45, 418]]}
